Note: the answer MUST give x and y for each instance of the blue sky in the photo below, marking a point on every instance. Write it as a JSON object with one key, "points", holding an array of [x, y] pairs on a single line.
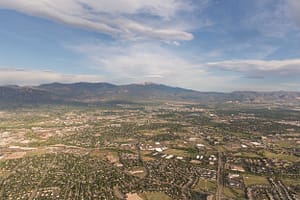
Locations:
{"points": [[207, 45]]}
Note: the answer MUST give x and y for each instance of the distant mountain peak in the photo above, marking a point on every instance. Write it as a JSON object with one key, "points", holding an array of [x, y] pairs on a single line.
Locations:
{"points": [[150, 83]]}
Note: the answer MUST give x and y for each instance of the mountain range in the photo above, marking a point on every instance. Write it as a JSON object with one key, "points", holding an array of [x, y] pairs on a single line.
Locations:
{"points": [[95, 93]]}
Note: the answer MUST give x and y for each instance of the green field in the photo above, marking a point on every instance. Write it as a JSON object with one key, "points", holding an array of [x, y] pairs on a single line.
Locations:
{"points": [[154, 196], [176, 152], [255, 180], [247, 155], [291, 182], [271, 155], [206, 185], [233, 193]]}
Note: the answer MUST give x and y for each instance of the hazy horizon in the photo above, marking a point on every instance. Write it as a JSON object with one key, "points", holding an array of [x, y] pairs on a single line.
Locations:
{"points": [[146, 83]]}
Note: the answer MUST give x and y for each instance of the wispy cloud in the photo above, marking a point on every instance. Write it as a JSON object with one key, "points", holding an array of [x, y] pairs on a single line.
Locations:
{"points": [[204, 82], [271, 18], [137, 61], [11, 76], [152, 62], [186, 75], [261, 68], [149, 62], [121, 18]]}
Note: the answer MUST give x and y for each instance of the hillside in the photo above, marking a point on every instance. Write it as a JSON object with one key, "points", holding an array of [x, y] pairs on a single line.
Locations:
{"points": [[92, 93]]}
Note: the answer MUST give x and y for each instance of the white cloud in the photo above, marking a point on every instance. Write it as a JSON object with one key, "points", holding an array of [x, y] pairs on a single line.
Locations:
{"points": [[154, 63], [167, 69], [12, 76], [145, 62], [137, 61], [193, 80], [123, 18], [269, 68], [271, 18]]}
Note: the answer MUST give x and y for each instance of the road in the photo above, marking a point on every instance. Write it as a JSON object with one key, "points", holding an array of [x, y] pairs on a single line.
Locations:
{"points": [[220, 175]]}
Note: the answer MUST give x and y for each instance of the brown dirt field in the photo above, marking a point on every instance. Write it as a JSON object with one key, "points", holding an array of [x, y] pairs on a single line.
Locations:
{"points": [[112, 158], [133, 196], [15, 155]]}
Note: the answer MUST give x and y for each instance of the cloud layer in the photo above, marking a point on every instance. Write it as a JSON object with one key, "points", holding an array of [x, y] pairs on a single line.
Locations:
{"points": [[149, 62], [261, 68], [12, 76], [141, 62], [123, 18]]}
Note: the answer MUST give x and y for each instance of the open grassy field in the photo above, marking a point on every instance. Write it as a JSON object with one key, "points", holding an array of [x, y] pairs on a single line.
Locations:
{"points": [[98, 153], [154, 196], [255, 180], [176, 152], [37, 152], [289, 181], [233, 193], [247, 155], [271, 155], [206, 186]]}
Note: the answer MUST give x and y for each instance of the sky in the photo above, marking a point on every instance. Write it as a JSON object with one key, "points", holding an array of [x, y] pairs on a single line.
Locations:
{"points": [[205, 45]]}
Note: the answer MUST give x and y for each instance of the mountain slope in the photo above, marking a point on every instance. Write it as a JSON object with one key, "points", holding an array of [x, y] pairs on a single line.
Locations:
{"points": [[94, 92], [104, 92], [15, 95]]}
